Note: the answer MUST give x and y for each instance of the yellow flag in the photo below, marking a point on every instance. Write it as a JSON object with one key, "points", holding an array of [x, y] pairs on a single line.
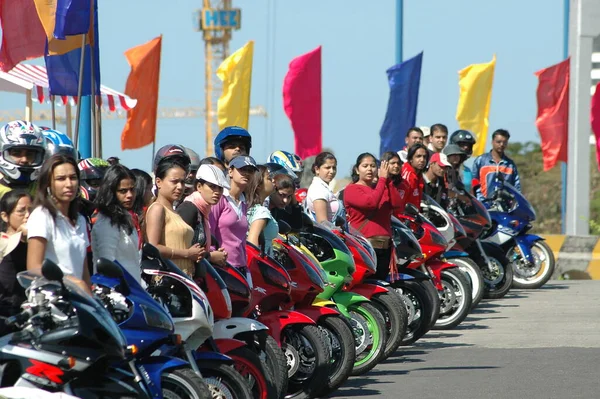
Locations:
{"points": [[472, 113], [233, 107]]}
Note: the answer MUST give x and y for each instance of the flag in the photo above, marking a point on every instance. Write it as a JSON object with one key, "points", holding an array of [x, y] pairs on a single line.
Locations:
{"points": [[63, 57], [472, 113], [404, 80], [302, 102], [72, 18], [23, 35], [233, 107], [596, 121], [553, 112], [142, 84]]}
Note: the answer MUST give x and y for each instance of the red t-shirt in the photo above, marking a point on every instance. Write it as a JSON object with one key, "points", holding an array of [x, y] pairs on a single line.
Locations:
{"points": [[414, 185], [370, 209]]}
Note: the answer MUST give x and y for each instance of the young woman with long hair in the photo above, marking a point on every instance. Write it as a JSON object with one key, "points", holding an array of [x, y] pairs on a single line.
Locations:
{"points": [[116, 233], [412, 173], [56, 229], [321, 202], [260, 220]]}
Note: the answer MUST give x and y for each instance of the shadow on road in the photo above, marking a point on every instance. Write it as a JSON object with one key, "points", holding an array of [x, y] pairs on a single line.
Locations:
{"points": [[356, 386], [553, 287], [455, 368], [426, 344]]}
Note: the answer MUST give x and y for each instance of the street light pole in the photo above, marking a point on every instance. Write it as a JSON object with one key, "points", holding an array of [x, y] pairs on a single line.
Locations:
{"points": [[399, 29]]}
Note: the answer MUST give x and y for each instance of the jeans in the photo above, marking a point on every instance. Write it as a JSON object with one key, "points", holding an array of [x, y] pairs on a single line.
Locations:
{"points": [[383, 263]]}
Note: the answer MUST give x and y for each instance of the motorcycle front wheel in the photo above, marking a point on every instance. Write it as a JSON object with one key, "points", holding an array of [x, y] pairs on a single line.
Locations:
{"points": [[474, 275], [224, 382], [419, 306], [391, 306], [531, 275], [455, 301], [184, 384], [369, 335]]}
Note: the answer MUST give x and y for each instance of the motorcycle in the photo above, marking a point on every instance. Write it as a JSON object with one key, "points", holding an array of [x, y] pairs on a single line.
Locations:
{"points": [[67, 342], [532, 259]]}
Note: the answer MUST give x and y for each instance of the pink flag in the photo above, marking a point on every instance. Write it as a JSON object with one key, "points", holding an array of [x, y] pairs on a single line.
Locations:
{"points": [[553, 112], [302, 102], [596, 121], [23, 36]]}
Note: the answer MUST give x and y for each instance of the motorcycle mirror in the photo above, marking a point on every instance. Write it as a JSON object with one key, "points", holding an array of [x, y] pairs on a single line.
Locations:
{"points": [[150, 251], [411, 210], [284, 227], [51, 271], [111, 269]]}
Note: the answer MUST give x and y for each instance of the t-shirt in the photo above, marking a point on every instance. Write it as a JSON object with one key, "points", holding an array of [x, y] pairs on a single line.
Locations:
{"points": [[271, 230], [319, 190], [229, 225], [66, 244], [192, 216]]}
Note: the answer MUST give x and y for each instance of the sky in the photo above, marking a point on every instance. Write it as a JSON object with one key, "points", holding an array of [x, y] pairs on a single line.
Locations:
{"points": [[358, 46]]}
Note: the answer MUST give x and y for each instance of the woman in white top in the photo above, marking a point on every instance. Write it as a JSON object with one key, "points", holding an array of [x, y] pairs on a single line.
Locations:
{"points": [[321, 202], [115, 234], [55, 229]]}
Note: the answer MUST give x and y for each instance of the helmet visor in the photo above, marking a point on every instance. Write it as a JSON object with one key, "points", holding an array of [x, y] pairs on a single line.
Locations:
{"points": [[24, 155]]}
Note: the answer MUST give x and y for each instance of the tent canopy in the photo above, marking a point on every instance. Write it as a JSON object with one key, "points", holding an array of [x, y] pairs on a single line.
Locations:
{"points": [[25, 78]]}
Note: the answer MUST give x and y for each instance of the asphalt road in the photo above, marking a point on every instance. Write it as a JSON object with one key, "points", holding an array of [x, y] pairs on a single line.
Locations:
{"points": [[531, 344]]}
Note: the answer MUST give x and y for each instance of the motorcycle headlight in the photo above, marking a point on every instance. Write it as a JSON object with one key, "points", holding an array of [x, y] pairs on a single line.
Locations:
{"points": [[157, 319]]}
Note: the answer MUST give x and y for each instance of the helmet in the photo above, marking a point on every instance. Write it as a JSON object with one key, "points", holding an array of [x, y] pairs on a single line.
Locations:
{"points": [[463, 137], [59, 143], [454, 149], [287, 159], [92, 172], [194, 159], [228, 134], [277, 169], [177, 152], [28, 138]]}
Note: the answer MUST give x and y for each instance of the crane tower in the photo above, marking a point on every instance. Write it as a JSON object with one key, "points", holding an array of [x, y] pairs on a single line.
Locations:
{"points": [[216, 20]]}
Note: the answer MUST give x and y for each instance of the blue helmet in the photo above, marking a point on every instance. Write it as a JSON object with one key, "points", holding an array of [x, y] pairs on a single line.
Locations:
{"points": [[59, 143], [287, 159], [231, 133]]}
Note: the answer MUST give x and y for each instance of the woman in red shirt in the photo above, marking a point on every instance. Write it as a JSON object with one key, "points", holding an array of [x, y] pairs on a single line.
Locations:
{"points": [[370, 207], [412, 173]]}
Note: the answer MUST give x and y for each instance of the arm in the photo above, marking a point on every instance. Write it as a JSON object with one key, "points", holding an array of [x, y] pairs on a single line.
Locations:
{"points": [[362, 197], [36, 248], [320, 207], [213, 218], [475, 175], [256, 228], [517, 179], [155, 228]]}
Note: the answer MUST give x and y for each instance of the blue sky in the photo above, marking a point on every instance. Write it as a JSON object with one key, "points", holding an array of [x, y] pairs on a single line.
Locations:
{"points": [[358, 46]]}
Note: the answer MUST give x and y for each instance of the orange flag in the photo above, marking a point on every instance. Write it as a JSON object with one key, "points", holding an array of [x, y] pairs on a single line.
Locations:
{"points": [[142, 84]]}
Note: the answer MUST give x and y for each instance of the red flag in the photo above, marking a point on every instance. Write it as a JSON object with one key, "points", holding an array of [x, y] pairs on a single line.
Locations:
{"points": [[23, 36], [142, 84], [302, 102], [596, 121], [553, 112]]}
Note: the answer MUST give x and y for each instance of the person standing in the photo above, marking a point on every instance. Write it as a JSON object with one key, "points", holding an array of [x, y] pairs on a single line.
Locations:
{"points": [[412, 173], [439, 137], [321, 203], [434, 178]]}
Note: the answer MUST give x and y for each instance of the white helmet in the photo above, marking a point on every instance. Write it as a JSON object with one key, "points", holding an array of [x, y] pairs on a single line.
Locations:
{"points": [[22, 152], [292, 161]]}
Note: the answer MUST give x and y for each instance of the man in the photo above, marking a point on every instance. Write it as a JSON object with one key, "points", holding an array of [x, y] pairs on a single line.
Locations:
{"points": [[488, 167], [435, 185], [465, 140], [438, 138], [426, 134], [413, 136], [231, 142]]}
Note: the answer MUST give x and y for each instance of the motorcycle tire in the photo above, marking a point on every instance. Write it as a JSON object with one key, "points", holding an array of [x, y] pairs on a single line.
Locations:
{"points": [[258, 377], [456, 299], [419, 305], [224, 381], [475, 277], [277, 365], [305, 344], [434, 296], [343, 352], [544, 273], [497, 289], [183, 384], [366, 318], [395, 316]]}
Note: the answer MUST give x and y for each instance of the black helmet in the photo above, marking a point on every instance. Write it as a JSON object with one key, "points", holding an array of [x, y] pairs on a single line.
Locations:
{"points": [[463, 137], [174, 151], [454, 149], [91, 173]]}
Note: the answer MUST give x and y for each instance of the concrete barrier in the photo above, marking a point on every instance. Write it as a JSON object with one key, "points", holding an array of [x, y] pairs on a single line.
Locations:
{"points": [[578, 257]]}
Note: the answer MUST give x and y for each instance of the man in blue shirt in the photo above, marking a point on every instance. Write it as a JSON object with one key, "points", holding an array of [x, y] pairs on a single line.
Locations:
{"points": [[487, 166]]}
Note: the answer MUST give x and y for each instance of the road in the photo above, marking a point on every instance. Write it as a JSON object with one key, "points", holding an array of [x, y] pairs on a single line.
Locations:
{"points": [[531, 344]]}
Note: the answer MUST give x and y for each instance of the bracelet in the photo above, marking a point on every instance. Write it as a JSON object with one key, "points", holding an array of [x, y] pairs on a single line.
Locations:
{"points": [[172, 253]]}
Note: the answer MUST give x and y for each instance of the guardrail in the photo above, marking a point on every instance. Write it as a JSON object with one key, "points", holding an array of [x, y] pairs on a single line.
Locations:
{"points": [[578, 257]]}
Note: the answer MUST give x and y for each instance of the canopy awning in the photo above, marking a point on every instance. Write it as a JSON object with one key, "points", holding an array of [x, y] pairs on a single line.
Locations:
{"points": [[25, 78]]}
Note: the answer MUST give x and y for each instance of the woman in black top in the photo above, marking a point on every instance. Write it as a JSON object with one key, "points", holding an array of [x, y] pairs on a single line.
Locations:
{"points": [[14, 211]]}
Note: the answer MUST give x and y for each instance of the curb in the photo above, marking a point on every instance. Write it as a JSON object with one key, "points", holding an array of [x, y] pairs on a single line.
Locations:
{"points": [[577, 257]]}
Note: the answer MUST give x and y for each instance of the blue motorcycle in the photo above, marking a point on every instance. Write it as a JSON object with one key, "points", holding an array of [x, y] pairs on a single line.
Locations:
{"points": [[532, 259]]}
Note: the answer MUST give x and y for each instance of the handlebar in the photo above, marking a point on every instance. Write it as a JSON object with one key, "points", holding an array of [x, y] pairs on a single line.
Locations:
{"points": [[19, 318]]}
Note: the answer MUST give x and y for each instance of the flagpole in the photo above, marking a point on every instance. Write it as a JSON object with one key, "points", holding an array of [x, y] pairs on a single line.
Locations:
{"points": [[79, 91], [53, 113], [400, 29], [563, 165], [94, 106]]}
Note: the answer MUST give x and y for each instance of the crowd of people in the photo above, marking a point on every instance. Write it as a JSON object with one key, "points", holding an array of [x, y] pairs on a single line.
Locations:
{"points": [[74, 211]]}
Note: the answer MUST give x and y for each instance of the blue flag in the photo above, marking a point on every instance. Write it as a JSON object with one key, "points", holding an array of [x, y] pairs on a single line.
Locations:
{"points": [[401, 115], [63, 70], [72, 18]]}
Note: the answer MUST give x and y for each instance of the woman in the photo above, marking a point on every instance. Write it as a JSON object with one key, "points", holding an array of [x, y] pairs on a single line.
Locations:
{"points": [[143, 192], [165, 229], [115, 235], [214, 161], [14, 211], [260, 219], [412, 173], [195, 209], [55, 229], [228, 218], [321, 202], [370, 208]]}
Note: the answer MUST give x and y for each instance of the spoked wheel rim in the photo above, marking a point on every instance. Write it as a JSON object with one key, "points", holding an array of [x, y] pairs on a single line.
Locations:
{"points": [[251, 374], [218, 389], [453, 298], [369, 341], [414, 312], [495, 277], [530, 272], [300, 355]]}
